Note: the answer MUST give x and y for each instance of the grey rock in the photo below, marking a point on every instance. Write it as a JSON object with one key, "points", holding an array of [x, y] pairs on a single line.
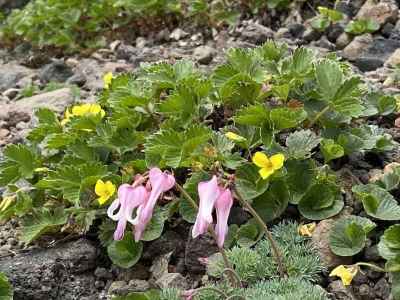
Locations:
{"points": [[256, 33], [55, 273], [394, 59], [334, 31], [170, 241], [382, 12], [343, 40], [375, 55], [141, 42], [202, 246], [57, 71], [296, 29], [310, 34], [382, 288], [204, 54], [11, 73], [23, 110], [122, 288], [339, 291], [11, 93], [353, 50], [372, 254], [77, 79], [387, 30], [365, 291], [346, 7], [320, 240], [162, 36], [102, 273], [125, 51], [172, 280], [178, 34]]}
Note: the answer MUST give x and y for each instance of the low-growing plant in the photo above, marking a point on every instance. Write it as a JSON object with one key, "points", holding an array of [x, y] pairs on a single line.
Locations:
{"points": [[325, 18], [281, 111], [357, 27]]}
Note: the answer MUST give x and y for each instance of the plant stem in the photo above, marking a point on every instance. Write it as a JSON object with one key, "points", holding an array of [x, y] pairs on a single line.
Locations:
{"points": [[260, 221], [372, 266], [318, 115], [227, 264]]}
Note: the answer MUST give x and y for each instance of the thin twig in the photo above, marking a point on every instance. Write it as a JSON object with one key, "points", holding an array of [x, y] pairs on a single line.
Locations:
{"points": [[260, 221]]}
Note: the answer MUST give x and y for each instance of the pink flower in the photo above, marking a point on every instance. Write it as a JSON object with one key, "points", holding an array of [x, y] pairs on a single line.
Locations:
{"points": [[223, 207], [208, 194], [129, 197], [189, 294], [211, 195], [160, 182]]}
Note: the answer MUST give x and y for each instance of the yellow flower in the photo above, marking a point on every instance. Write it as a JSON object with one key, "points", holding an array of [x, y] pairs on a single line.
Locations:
{"points": [[107, 78], [6, 202], [307, 229], [345, 273], [234, 137], [268, 165], [104, 190], [83, 110]]}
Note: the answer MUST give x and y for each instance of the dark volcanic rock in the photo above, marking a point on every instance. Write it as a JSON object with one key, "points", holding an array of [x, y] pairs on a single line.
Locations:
{"points": [[55, 273], [203, 246], [55, 71]]}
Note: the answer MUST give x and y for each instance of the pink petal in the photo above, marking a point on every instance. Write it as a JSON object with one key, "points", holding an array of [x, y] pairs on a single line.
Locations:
{"points": [[128, 199], [160, 183], [208, 194], [223, 206]]}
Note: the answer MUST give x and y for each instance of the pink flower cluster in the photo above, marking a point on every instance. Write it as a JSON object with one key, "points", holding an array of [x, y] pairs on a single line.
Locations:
{"points": [[212, 195], [141, 196]]}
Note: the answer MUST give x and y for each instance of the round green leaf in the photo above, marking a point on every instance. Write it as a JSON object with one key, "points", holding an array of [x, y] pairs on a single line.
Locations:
{"points": [[322, 201], [273, 202], [330, 150], [247, 234], [347, 237], [377, 202], [156, 225], [392, 236], [393, 265], [125, 253]]}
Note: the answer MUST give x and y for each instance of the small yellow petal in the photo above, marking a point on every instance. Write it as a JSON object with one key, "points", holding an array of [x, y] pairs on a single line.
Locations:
{"points": [[234, 137], [277, 161], [107, 78], [261, 160], [100, 188], [102, 200], [265, 172], [346, 274], [307, 229], [110, 188]]}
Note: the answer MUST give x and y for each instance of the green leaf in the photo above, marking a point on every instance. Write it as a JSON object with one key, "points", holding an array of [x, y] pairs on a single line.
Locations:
{"points": [[302, 61], [377, 202], [329, 78], [133, 296], [388, 246], [271, 204], [247, 235], [281, 91], [126, 252], [285, 118], [249, 183], [6, 291], [156, 225], [239, 90], [254, 115], [300, 143], [73, 180], [330, 150], [299, 178], [393, 265], [175, 148], [323, 200], [41, 222], [19, 162], [348, 235]]}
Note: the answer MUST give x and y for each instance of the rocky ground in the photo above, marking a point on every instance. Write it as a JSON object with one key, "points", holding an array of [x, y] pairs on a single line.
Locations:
{"points": [[77, 268]]}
